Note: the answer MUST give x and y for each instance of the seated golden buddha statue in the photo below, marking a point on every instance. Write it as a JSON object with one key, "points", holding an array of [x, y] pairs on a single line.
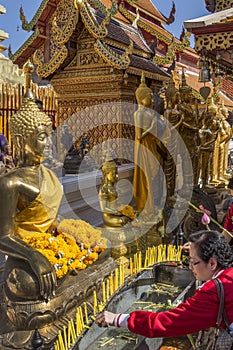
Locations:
{"points": [[27, 206], [108, 196], [30, 199]]}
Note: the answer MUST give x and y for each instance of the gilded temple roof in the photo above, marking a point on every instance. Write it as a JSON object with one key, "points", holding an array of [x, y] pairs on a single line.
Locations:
{"points": [[149, 8]]}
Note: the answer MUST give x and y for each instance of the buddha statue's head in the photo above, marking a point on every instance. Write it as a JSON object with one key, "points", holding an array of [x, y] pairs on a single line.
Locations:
{"points": [[144, 94], [110, 170], [185, 89], [223, 110], [212, 108], [29, 127], [171, 92]]}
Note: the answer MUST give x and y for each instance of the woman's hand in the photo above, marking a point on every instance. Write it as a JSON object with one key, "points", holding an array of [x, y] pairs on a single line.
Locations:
{"points": [[186, 247], [105, 319]]}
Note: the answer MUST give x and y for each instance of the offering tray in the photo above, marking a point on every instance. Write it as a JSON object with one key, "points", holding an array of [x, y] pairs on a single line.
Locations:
{"points": [[157, 289]]}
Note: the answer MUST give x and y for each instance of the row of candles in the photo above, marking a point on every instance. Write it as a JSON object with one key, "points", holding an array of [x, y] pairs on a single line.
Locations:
{"points": [[153, 255]]}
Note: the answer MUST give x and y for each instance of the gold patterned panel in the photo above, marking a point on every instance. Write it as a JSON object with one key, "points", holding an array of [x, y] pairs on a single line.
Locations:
{"points": [[100, 119], [214, 41], [223, 4], [63, 23]]}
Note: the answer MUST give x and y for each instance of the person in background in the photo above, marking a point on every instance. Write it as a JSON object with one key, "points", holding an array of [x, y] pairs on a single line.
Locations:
{"points": [[228, 225], [3, 143], [210, 257]]}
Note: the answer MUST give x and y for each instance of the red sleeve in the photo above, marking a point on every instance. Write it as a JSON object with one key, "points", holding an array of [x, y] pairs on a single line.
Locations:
{"points": [[197, 313], [228, 225]]}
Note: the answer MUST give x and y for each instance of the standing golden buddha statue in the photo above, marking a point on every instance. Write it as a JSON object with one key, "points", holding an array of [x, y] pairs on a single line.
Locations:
{"points": [[147, 159], [189, 132], [221, 147], [208, 134], [175, 119], [224, 112], [215, 127]]}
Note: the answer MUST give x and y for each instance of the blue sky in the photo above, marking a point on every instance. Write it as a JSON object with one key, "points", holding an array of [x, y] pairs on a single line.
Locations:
{"points": [[185, 9]]}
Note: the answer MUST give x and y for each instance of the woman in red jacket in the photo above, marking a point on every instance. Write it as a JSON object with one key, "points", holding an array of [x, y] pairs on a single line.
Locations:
{"points": [[228, 225], [210, 257]]}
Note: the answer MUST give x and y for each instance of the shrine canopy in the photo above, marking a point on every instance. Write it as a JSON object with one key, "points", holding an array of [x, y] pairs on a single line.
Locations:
{"points": [[128, 35], [214, 37]]}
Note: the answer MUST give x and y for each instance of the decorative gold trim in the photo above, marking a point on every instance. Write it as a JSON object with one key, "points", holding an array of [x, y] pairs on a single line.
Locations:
{"points": [[99, 31], [223, 5], [155, 76], [98, 5], [177, 47], [111, 57], [59, 35], [213, 41], [170, 55], [122, 46]]}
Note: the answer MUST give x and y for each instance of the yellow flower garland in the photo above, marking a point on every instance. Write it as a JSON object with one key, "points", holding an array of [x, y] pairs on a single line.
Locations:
{"points": [[76, 245]]}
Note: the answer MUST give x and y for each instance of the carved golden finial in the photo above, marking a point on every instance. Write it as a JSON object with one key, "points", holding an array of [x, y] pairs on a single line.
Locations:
{"points": [[129, 49], [28, 68], [143, 80], [23, 19], [78, 4], [134, 24], [10, 54]]}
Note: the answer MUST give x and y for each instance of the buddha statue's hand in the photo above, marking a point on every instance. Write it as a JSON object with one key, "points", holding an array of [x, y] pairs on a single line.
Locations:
{"points": [[45, 274]]}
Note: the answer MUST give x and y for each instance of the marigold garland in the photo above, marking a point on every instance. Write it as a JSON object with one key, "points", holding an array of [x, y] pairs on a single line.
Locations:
{"points": [[75, 246], [128, 211]]}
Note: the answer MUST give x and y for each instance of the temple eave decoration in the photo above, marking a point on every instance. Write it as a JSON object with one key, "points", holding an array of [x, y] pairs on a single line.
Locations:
{"points": [[172, 44], [59, 35], [98, 31], [28, 26], [112, 57]]}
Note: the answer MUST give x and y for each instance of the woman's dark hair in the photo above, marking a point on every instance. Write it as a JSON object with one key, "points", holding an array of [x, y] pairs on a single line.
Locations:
{"points": [[212, 244], [230, 184]]}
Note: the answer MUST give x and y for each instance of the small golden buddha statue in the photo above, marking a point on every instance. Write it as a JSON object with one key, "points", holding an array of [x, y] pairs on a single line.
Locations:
{"points": [[108, 196]]}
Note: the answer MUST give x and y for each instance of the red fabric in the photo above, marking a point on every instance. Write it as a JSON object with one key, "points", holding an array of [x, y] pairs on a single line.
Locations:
{"points": [[229, 220], [197, 313]]}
